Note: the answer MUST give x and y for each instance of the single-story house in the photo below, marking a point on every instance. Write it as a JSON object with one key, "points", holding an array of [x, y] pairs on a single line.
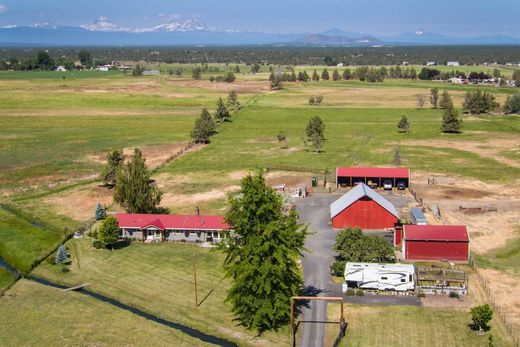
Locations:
{"points": [[453, 63], [363, 207], [165, 227], [436, 243], [61, 68], [376, 176]]}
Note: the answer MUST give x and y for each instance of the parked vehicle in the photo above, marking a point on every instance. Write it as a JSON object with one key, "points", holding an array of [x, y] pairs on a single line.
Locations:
{"points": [[387, 185], [372, 184], [401, 185], [417, 216], [398, 277]]}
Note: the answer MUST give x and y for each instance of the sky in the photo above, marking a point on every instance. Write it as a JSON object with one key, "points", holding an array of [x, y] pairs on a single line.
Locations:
{"points": [[378, 17]]}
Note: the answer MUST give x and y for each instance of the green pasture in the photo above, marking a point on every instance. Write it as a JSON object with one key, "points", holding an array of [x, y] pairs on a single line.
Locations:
{"points": [[44, 316], [55, 75], [506, 258], [158, 279]]}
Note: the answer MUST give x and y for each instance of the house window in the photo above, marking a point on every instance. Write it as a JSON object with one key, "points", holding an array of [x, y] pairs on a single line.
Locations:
{"points": [[403, 280], [215, 234], [384, 278]]}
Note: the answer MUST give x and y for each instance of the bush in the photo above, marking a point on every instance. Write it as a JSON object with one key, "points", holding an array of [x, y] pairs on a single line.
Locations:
{"points": [[338, 268], [360, 292], [97, 244], [454, 295], [351, 292], [481, 316], [65, 269]]}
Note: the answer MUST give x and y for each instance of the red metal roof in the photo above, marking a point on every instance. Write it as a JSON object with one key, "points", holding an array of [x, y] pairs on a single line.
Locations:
{"points": [[390, 172], [170, 221], [436, 232]]}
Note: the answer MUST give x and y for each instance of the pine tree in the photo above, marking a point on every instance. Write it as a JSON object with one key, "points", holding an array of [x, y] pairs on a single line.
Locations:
{"points": [[114, 161], [262, 257], [135, 191], [347, 74], [204, 127], [222, 113], [325, 75], [100, 212], [434, 97], [445, 100], [413, 74], [272, 77], [404, 124], [336, 76], [315, 133], [232, 101], [61, 256], [306, 77], [292, 77], [451, 122], [108, 232], [315, 76]]}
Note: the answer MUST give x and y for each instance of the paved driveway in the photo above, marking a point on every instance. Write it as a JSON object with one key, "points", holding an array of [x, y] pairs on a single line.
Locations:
{"points": [[315, 211]]}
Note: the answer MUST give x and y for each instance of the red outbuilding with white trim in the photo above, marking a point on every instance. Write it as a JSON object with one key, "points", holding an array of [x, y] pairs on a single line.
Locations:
{"points": [[364, 208], [436, 243]]}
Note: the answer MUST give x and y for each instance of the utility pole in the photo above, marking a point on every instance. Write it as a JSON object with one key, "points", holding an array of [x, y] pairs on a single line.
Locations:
{"points": [[195, 280]]}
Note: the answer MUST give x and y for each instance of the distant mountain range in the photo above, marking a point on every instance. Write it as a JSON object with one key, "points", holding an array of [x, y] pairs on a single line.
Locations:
{"points": [[102, 32]]}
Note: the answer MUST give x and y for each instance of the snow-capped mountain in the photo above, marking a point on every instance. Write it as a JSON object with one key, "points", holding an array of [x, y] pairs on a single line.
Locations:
{"points": [[102, 24], [45, 25], [191, 24]]}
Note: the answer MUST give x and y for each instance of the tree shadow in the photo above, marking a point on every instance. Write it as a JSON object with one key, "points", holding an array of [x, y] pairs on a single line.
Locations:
{"points": [[120, 244]]}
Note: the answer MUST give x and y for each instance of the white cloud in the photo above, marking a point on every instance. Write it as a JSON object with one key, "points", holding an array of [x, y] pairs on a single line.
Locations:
{"points": [[3, 8]]}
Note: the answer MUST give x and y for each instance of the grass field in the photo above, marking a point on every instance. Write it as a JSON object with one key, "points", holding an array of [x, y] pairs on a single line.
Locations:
{"points": [[6, 279], [159, 280], [33, 75], [44, 316], [389, 326], [506, 259]]}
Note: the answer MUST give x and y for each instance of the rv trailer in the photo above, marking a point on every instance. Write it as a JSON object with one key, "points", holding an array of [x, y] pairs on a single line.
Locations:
{"points": [[398, 277], [417, 216]]}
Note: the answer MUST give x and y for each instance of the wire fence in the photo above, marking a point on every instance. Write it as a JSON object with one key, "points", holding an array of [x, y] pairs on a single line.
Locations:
{"points": [[497, 308]]}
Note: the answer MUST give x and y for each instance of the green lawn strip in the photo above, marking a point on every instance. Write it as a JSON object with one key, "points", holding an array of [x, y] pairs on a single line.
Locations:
{"points": [[389, 326], [364, 135], [52, 317], [55, 75], [28, 234], [159, 279], [506, 258], [6, 279]]}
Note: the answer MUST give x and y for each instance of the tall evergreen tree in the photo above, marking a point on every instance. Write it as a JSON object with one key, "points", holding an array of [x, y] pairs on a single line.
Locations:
{"points": [[222, 114], [315, 132], [451, 121], [204, 127], [232, 101], [135, 190], [512, 104], [325, 75], [434, 97], [306, 77], [347, 75], [413, 74], [61, 256], [336, 76], [445, 100], [262, 256], [404, 124], [315, 76], [114, 161], [100, 212]]}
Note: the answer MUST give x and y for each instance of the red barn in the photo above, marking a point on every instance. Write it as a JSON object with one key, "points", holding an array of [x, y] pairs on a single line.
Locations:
{"points": [[436, 242], [363, 207]]}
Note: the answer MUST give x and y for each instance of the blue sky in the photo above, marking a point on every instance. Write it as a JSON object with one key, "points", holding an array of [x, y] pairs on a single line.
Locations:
{"points": [[379, 17]]}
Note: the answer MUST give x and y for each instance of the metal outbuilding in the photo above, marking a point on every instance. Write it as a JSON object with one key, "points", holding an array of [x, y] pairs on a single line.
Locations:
{"points": [[436, 243], [350, 176], [364, 208]]}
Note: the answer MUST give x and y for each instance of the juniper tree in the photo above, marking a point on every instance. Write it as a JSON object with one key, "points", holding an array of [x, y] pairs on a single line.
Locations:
{"points": [[325, 74], [61, 256], [306, 77], [262, 256], [445, 100], [434, 97], [100, 212], [315, 76], [336, 76], [404, 124], [282, 137], [135, 190], [512, 104], [222, 113], [451, 121], [232, 101], [114, 161], [108, 232], [315, 133], [137, 70], [204, 127], [478, 102], [347, 74]]}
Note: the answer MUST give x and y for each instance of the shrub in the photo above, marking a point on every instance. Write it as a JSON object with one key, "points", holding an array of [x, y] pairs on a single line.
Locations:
{"points": [[421, 294], [481, 315], [65, 269], [360, 292], [453, 295], [338, 268], [351, 292], [97, 244]]}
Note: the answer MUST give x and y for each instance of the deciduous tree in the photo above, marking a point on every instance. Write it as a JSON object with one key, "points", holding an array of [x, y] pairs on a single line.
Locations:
{"points": [[434, 97], [481, 315]]}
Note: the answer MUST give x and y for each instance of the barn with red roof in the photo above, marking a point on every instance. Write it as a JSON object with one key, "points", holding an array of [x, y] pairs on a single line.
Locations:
{"points": [[363, 207], [165, 227], [436, 243], [351, 176]]}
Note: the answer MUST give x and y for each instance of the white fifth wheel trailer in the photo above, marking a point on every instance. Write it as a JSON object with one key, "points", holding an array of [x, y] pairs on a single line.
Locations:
{"points": [[398, 277]]}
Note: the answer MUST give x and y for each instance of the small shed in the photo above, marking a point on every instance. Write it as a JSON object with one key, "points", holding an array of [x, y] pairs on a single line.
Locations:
{"points": [[350, 176], [364, 208], [436, 243]]}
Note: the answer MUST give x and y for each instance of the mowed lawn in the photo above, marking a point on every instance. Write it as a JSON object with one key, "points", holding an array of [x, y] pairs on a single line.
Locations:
{"points": [[158, 278], [353, 136], [392, 326], [36, 315]]}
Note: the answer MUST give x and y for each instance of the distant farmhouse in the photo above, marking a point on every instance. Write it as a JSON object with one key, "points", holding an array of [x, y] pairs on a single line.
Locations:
{"points": [[453, 63]]}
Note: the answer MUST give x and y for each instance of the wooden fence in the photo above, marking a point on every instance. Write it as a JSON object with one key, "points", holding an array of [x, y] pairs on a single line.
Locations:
{"points": [[497, 308]]}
